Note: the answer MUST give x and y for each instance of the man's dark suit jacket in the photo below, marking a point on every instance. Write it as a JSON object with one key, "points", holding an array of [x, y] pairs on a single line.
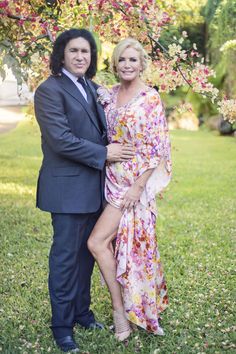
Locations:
{"points": [[71, 178]]}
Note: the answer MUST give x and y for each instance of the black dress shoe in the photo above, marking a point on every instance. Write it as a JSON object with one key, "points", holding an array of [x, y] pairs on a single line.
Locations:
{"points": [[94, 325], [67, 344]]}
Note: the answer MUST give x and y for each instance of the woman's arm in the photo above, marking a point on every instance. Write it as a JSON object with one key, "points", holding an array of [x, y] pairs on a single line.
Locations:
{"points": [[134, 193], [152, 140]]}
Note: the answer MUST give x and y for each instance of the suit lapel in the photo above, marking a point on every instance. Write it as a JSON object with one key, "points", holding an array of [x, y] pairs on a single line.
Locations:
{"points": [[71, 88], [98, 106]]}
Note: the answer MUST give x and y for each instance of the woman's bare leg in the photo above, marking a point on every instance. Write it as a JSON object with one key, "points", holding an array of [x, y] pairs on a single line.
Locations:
{"points": [[99, 244]]}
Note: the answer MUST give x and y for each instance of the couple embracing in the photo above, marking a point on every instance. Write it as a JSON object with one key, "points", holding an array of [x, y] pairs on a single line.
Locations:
{"points": [[106, 155]]}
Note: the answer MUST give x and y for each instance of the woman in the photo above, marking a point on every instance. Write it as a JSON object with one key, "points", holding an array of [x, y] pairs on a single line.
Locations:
{"points": [[133, 272]]}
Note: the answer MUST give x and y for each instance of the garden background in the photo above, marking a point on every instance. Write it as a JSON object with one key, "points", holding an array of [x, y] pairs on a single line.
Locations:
{"points": [[196, 225]]}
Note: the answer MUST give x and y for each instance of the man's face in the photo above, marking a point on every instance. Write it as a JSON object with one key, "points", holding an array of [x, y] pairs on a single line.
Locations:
{"points": [[77, 56]]}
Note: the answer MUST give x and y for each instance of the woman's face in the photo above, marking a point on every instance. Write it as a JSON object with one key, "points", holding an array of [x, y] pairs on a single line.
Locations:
{"points": [[129, 65]]}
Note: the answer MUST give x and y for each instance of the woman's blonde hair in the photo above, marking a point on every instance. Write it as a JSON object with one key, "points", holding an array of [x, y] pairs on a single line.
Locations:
{"points": [[124, 44]]}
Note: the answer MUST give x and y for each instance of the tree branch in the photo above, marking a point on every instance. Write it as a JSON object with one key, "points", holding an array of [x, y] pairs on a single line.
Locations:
{"points": [[169, 57], [15, 17], [49, 34], [20, 18]]}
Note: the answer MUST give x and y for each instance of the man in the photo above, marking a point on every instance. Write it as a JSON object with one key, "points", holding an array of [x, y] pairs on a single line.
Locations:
{"points": [[71, 179]]}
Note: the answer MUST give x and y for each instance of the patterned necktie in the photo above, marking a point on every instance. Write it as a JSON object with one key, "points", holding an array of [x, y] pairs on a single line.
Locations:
{"points": [[90, 100], [82, 81]]}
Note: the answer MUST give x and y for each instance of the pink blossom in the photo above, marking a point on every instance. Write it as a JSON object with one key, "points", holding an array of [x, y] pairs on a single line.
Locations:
{"points": [[193, 53], [3, 4], [22, 54], [44, 25], [115, 5], [163, 87]]}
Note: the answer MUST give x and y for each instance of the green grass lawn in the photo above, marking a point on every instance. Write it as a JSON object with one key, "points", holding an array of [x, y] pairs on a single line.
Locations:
{"points": [[195, 230]]}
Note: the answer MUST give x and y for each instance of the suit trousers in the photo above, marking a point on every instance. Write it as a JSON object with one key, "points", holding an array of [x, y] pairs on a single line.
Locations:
{"points": [[70, 269]]}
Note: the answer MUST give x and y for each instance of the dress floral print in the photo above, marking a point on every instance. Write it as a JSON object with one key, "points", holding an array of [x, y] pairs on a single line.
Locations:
{"points": [[139, 271]]}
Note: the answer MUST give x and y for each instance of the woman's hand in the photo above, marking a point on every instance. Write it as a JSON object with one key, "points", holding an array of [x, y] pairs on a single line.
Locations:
{"points": [[131, 197], [134, 192]]}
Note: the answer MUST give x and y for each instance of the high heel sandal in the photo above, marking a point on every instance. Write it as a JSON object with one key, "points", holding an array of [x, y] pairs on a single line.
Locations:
{"points": [[122, 327], [133, 326], [160, 331]]}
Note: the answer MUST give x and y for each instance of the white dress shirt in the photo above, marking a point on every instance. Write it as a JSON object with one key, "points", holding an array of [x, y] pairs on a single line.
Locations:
{"points": [[74, 79]]}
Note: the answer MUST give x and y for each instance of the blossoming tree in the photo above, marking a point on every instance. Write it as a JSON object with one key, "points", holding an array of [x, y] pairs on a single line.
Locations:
{"points": [[29, 27]]}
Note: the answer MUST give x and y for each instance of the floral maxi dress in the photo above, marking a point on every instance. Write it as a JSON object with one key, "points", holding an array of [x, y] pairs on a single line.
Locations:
{"points": [[139, 271]]}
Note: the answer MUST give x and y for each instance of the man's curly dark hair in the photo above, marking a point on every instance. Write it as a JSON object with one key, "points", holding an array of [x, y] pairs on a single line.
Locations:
{"points": [[57, 56]]}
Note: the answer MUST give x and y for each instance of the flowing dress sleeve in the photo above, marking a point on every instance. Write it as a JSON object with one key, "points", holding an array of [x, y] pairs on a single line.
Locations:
{"points": [[153, 146]]}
